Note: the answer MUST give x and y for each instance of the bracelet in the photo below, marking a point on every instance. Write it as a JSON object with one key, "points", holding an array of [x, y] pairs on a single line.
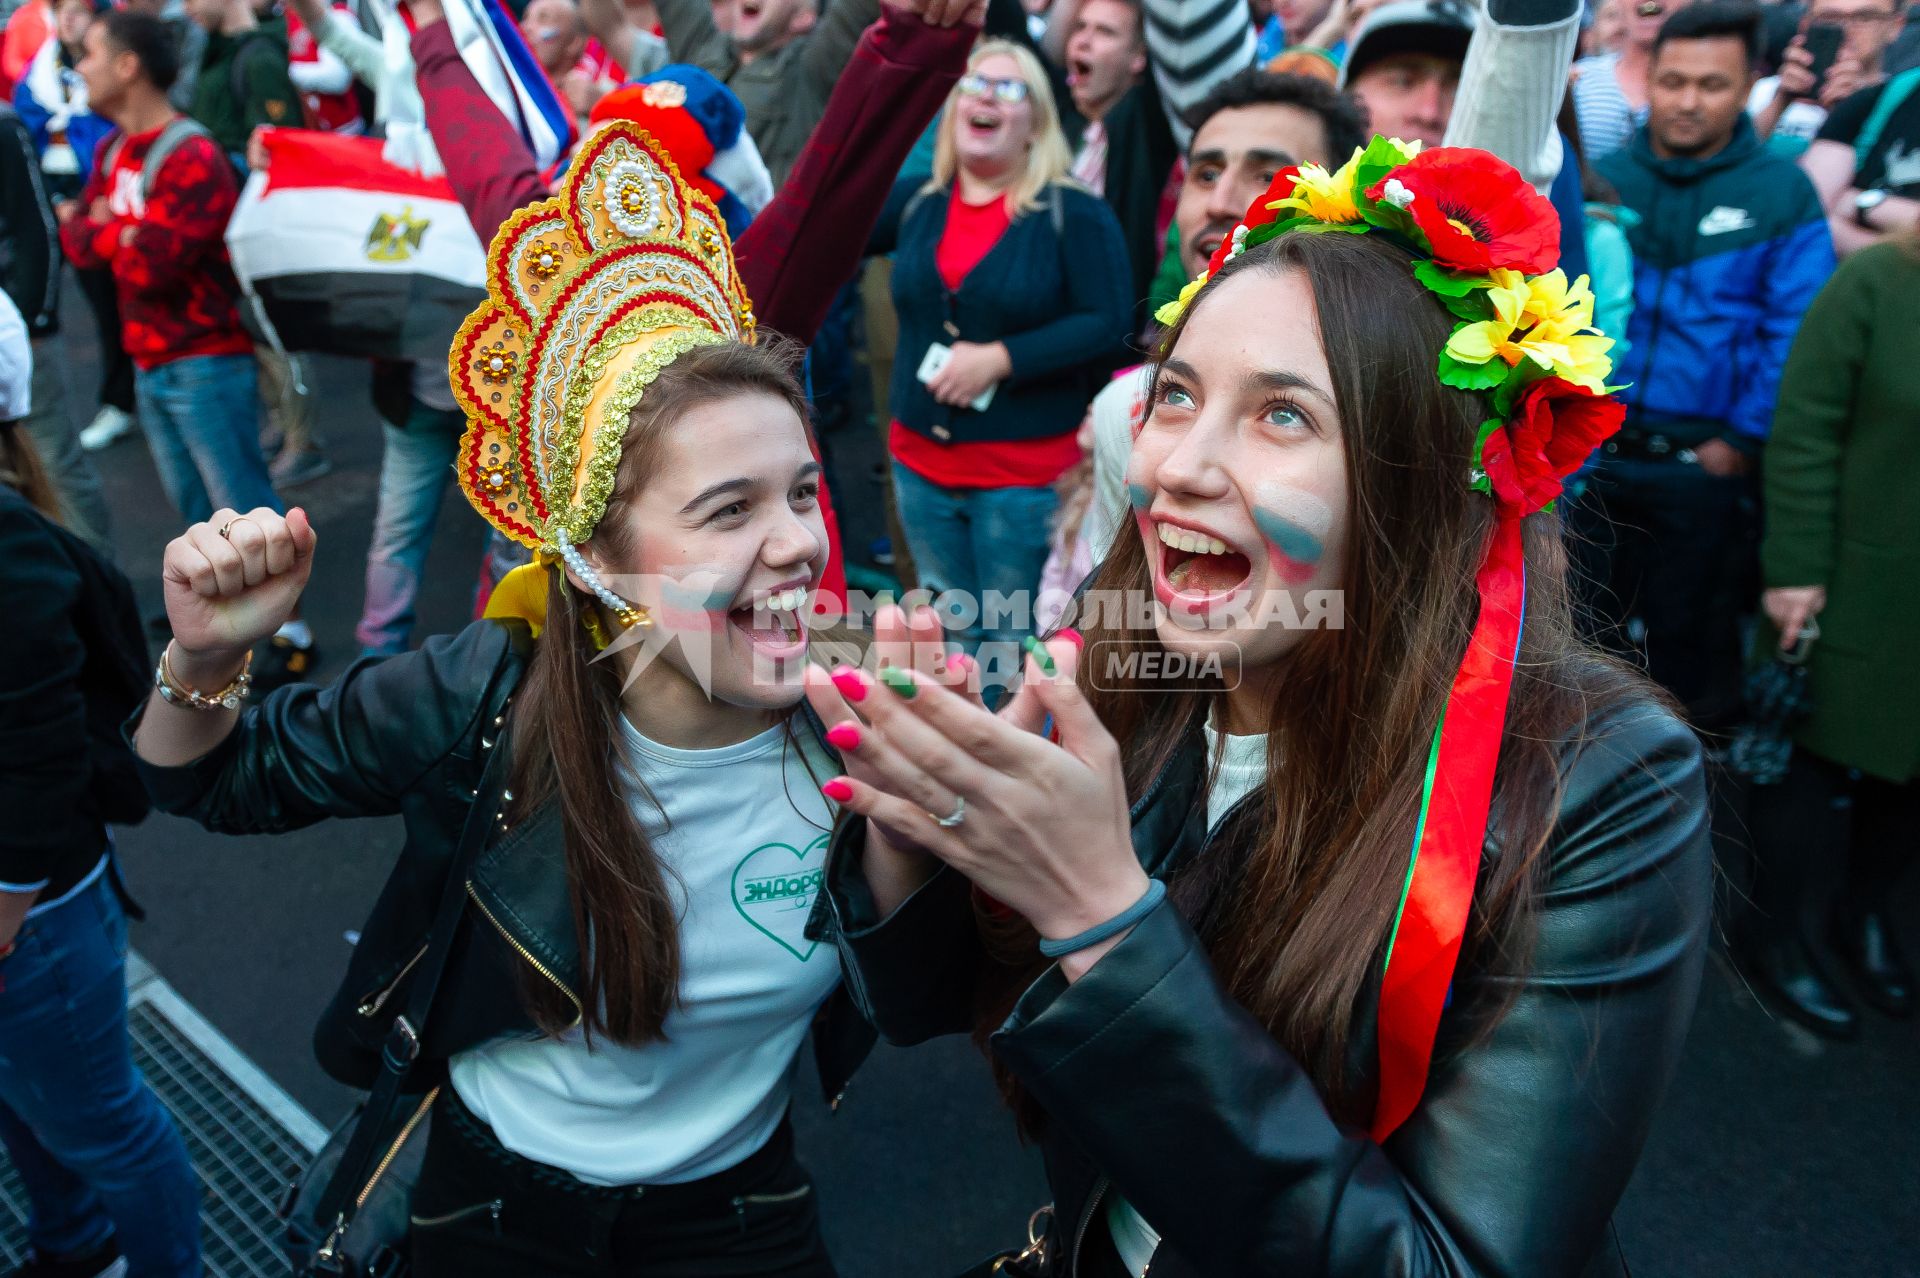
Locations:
{"points": [[1156, 893], [173, 692]]}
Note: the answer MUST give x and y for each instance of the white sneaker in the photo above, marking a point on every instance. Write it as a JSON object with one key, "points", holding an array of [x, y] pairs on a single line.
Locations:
{"points": [[108, 425]]}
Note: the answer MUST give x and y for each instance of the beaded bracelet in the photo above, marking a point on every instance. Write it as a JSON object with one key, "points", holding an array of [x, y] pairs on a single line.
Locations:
{"points": [[173, 692], [1156, 893]]}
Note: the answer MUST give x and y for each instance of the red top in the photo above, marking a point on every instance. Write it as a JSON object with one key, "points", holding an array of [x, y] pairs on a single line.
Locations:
{"points": [[971, 232], [175, 287]]}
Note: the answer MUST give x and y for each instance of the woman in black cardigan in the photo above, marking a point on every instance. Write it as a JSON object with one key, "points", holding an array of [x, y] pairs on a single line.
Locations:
{"points": [[1017, 280]]}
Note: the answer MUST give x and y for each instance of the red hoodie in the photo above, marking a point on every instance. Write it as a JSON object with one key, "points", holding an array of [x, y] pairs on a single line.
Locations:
{"points": [[175, 287]]}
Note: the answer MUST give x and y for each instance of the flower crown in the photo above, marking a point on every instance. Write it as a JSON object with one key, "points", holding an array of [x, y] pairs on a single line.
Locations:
{"points": [[1486, 244]]}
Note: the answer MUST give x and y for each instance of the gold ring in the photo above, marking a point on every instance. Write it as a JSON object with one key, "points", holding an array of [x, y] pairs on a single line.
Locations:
{"points": [[226, 527]]}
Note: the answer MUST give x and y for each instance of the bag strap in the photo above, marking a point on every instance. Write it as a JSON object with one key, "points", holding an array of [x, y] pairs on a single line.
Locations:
{"points": [[1891, 98], [402, 1048], [178, 131]]}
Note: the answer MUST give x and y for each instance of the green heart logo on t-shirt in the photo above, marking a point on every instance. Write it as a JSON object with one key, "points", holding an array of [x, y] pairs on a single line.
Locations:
{"points": [[773, 888]]}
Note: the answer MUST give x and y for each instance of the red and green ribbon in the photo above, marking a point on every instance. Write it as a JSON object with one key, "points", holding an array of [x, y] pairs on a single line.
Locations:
{"points": [[1450, 834]]}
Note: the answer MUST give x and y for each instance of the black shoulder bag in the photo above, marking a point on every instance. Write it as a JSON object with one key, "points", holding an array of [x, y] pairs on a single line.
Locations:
{"points": [[347, 1214]]}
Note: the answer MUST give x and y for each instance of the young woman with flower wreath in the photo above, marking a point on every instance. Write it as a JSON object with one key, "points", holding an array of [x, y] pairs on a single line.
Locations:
{"points": [[1375, 954]]}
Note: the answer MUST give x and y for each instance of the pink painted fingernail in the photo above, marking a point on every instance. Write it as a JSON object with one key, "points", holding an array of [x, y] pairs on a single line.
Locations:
{"points": [[960, 663], [838, 790], [852, 684], [843, 736], [1073, 637]]}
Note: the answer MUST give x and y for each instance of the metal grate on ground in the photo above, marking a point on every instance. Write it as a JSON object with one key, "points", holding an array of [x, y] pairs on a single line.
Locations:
{"points": [[243, 1132]]}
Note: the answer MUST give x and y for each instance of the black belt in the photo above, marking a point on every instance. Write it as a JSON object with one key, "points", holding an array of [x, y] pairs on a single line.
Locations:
{"points": [[1635, 444]]}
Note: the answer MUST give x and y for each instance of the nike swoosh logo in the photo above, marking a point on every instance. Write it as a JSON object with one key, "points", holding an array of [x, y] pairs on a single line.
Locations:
{"points": [[1724, 219]]}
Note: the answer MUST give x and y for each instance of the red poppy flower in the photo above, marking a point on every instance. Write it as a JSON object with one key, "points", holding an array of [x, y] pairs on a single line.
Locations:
{"points": [[1257, 214], [1553, 428], [1477, 212]]}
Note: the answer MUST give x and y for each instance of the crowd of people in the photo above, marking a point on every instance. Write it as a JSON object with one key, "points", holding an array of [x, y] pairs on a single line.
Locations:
{"points": [[1490, 407]]}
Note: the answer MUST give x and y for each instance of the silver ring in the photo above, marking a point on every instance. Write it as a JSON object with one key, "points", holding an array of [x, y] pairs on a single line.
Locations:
{"points": [[954, 817]]}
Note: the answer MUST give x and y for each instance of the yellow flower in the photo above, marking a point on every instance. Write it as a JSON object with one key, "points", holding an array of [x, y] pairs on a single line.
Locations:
{"points": [[1556, 305], [1320, 195], [1169, 314], [1543, 319]]}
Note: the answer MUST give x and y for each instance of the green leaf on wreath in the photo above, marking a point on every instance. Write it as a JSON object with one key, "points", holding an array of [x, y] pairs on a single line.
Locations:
{"points": [[1472, 377]]}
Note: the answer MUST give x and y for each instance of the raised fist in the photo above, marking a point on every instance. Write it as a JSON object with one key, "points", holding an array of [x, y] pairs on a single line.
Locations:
{"points": [[234, 580]]}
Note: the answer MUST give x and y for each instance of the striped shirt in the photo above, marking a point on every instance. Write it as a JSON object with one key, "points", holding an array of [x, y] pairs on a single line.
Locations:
{"points": [[1607, 119], [1192, 46]]}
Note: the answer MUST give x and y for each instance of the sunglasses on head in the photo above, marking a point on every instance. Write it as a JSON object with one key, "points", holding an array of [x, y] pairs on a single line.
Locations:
{"points": [[979, 86]]}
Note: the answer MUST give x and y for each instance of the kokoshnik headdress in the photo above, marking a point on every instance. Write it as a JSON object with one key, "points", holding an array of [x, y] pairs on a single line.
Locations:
{"points": [[1486, 244], [590, 294]]}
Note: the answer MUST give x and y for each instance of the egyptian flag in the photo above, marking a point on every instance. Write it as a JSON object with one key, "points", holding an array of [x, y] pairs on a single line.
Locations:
{"points": [[347, 254]]}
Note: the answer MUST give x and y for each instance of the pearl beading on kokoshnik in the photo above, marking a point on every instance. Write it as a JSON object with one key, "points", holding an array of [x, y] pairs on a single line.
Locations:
{"points": [[630, 615]]}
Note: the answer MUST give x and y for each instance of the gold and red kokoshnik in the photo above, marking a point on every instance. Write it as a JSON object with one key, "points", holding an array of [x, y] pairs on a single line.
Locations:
{"points": [[590, 293]]}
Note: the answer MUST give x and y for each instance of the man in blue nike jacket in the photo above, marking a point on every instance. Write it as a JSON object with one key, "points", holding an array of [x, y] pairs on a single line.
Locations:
{"points": [[1730, 248]]}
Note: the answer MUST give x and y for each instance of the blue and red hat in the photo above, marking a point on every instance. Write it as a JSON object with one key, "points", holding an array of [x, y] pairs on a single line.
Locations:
{"points": [[703, 127]]}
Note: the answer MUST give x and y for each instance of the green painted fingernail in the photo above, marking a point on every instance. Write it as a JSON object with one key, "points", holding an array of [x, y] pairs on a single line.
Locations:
{"points": [[899, 680], [1041, 656]]}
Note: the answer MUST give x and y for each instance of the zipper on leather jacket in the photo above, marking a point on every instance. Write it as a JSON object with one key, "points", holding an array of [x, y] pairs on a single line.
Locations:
{"points": [[433, 1222], [393, 1151], [523, 952], [1086, 1218], [373, 1002]]}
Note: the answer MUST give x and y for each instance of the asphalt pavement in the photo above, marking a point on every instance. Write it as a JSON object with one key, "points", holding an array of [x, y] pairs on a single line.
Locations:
{"points": [[1774, 1154]]}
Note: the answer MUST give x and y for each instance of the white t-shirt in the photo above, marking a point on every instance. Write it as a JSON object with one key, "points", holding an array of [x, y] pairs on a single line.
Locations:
{"points": [[16, 364], [742, 833], [1799, 121], [1243, 765]]}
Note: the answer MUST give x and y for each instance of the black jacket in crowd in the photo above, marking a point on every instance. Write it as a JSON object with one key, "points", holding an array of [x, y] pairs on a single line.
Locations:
{"points": [[1157, 1085], [29, 235], [1047, 289], [412, 736], [1140, 153], [73, 665]]}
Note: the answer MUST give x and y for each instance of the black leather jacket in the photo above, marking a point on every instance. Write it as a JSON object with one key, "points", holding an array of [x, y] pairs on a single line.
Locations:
{"points": [[1155, 1083], [412, 736]]}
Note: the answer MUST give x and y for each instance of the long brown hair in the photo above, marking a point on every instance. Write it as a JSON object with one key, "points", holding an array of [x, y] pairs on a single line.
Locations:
{"points": [[22, 471], [567, 746], [1296, 923]]}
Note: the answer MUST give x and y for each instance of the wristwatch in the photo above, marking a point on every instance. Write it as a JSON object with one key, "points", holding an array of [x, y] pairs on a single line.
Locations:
{"points": [[1864, 204]]}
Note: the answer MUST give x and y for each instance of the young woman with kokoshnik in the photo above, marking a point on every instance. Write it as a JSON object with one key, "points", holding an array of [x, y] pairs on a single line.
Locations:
{"points": [[636, 979], [1375, 955]]}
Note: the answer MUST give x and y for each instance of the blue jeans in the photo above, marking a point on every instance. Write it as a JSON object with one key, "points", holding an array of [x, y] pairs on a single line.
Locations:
{"points": [[95, 1150], [414, 472], [202, 419], [980, 542]]}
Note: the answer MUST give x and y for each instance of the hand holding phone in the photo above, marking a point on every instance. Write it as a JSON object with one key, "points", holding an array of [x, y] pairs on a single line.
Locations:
{"points": [[1823, 42]]}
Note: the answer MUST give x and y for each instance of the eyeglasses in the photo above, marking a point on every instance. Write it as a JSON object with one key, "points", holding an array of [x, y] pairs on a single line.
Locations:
{"points": [[1008, 91]]}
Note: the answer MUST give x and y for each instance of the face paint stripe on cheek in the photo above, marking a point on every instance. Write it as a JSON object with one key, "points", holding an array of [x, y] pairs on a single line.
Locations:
{"points": [[696, 607], [1295, 524], [1139, 496]]}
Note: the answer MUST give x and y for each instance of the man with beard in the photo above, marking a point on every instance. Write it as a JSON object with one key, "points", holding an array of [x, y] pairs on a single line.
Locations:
{"points": [[781, 58], [1249, 128]]}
